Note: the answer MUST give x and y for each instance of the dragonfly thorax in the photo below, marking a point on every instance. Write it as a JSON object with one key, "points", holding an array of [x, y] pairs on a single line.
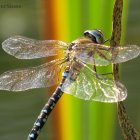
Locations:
{"points": [[77, 42], [74, 49]]}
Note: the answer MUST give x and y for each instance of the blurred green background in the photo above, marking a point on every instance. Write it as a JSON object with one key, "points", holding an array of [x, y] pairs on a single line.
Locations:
{"points": [[18, 111]]}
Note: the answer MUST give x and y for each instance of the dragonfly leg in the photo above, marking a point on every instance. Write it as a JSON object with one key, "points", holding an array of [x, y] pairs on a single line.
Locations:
{"points": [[103, 56], [101, 74], [95, 70], [109, 73], [94, 66]]}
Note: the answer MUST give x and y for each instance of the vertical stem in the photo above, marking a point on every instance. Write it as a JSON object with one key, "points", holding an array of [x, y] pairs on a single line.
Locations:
{"points": [[116, 31], [129, 132]]}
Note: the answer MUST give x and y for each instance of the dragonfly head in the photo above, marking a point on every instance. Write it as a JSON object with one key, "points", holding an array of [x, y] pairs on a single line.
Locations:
{"points": [[95, 35]]}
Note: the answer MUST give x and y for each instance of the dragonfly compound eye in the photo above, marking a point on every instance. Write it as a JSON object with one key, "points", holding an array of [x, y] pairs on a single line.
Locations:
{"points": [[95, 35]]}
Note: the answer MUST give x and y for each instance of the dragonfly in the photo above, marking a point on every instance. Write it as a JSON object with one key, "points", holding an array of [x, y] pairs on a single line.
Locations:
{"points": [[82, 82], [79, 65]]}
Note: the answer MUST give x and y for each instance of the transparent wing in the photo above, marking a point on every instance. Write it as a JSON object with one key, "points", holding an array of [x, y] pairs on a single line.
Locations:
{"points": [[26, 48], [34, 77], [124, 54], [88, 87], [102, 55]]}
